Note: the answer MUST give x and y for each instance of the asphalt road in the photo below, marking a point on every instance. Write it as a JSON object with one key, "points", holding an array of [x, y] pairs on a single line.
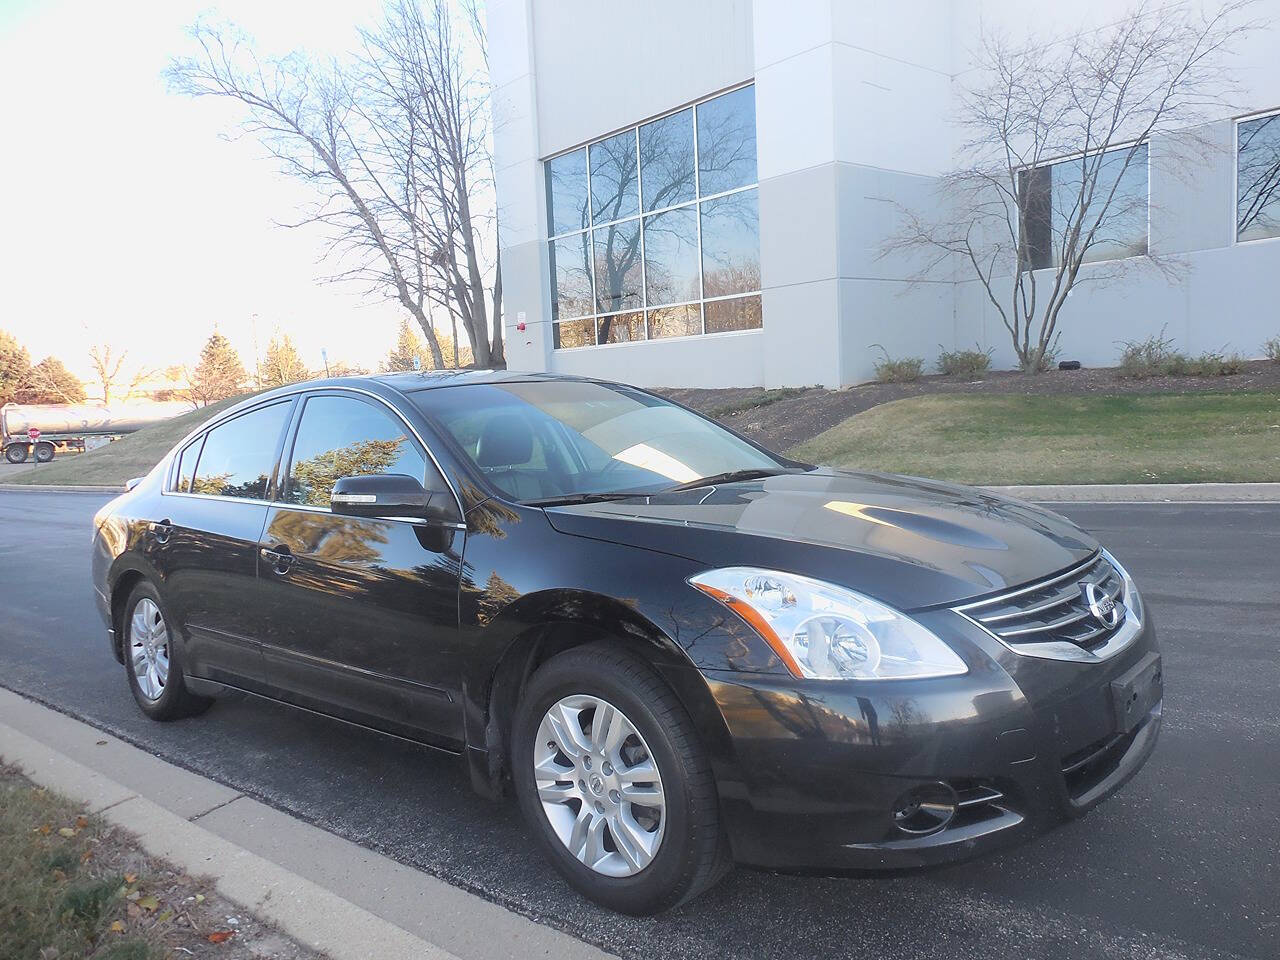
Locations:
{"points": [[1184, 862]]}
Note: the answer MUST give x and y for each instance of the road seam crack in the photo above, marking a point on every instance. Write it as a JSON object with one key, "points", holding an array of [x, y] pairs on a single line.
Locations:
{"points": [[217, 806]]}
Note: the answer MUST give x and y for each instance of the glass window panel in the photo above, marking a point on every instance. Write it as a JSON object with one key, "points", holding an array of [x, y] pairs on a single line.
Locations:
{"points": [[681, 321], [1051, 194], [615, 188], [742, 313], [345, 437], [621, 328], [567, 208], [731, 244], [617, 265], [1258, 204], [571, 276], [239, 456], [666, 160], [671, 256], [187, 465], [574, 333], [727, 142]]}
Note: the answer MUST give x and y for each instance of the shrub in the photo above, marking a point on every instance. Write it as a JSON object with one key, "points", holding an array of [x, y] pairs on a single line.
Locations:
{"points": [[969, 364], [1152, 357], [1271, 349], [901, 370], [1211, 364]]}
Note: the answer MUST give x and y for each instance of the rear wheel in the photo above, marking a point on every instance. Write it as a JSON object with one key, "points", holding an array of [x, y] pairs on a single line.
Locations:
{"points": [[44, 452], [612, 778], [16, 452], [152, 660]]}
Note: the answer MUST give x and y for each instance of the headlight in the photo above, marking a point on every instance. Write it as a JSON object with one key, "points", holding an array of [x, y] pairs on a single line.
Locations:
{"points": [[1130, 597], [826, 632]]}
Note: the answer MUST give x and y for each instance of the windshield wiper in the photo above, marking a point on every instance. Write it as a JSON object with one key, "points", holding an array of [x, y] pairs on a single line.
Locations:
{"points": [[571, 498], [730, 477]]}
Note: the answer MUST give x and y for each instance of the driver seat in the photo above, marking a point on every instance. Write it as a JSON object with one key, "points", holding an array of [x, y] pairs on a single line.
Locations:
{"points": [[506, 443]]}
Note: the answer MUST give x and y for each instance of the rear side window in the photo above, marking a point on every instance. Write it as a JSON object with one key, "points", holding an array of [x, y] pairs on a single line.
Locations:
{"points": [[239, 455], [187, 465], [341, 436]]}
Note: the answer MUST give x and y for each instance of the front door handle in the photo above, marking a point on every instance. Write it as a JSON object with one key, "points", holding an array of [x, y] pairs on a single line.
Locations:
{"points": [[161, 531], [280, 558]]}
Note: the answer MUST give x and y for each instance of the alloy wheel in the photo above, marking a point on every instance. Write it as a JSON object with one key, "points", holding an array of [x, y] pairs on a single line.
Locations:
{"points": [[599, 785], [149, 649]]}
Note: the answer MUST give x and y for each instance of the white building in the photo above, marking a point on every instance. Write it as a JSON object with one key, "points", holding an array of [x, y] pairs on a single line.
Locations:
{"points": [[774, 139]]}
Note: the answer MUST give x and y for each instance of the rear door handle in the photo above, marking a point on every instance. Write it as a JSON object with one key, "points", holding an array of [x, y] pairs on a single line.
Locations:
{"points": [[161, 531], [280, 559]]}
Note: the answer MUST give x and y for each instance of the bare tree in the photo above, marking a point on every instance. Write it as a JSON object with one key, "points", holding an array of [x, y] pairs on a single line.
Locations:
{"points": [[394, 140], [109, 371], [1055, 171]]}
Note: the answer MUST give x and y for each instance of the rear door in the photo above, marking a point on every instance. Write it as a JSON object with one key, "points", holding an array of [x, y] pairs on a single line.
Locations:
{"points": [[364, 612], [206, 544]]}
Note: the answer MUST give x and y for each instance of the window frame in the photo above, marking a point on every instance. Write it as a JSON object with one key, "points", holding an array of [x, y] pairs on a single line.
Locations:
{"points": [[1068, 158], [169, 488], [590, 230], [286, 459], [296, 397], [1235, 176]]}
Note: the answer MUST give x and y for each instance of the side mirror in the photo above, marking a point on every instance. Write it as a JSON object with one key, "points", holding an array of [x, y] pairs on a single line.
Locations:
{"points": [[384, 495]]}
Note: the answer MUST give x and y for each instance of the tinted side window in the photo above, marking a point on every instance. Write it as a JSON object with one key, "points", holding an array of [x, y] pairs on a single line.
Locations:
{"points": [[239, 455], [345, 437], [187, 465]]}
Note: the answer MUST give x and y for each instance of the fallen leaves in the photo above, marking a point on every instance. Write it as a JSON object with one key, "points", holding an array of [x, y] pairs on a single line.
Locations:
{"points": [[66, 832], [117, 926], [220, 936]]}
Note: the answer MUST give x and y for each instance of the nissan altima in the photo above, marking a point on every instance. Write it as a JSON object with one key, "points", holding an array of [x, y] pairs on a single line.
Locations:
{"points": [[676, 649]]}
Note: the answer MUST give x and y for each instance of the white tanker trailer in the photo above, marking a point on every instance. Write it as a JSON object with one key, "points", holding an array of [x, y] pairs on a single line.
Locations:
{"points": [[67, 426]]}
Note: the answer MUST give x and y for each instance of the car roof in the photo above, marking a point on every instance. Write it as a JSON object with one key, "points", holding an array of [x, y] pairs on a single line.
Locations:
{"points": [[413, 380]]}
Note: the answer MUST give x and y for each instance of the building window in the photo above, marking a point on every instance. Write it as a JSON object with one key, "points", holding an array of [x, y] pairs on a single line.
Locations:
{"points": [[1050, 195], [1258, 178], [655, 231]]}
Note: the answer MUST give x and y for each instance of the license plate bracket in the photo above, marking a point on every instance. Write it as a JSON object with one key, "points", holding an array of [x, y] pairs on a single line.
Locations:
{"points": [[1136, 691]]}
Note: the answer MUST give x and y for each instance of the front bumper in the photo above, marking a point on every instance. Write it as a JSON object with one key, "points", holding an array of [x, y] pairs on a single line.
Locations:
{"points": [[818, 768]]}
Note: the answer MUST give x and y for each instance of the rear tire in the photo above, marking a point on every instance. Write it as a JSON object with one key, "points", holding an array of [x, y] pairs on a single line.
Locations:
{"points": [[44, 452], [685, 851], [16, 453], [152, 661]]}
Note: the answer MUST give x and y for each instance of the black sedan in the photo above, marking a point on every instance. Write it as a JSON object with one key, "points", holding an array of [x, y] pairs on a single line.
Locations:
{"points": [[678, 649]]}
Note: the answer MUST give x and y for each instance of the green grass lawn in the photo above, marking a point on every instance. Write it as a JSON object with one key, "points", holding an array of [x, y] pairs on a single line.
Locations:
{"points": [[1152, 438], [114, 463]]}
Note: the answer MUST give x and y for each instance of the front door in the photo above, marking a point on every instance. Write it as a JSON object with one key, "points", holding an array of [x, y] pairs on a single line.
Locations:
{"points": [[364, 612]]}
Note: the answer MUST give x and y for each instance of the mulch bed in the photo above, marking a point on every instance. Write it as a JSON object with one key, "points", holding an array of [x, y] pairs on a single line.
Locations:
{"points": [[782, 424]]}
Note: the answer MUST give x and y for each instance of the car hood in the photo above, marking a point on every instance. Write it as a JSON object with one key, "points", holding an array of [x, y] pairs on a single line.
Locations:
{"points": [[909, 542]]}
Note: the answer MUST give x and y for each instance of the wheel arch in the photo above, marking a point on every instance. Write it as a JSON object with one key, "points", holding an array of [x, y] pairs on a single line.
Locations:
{"points": [[539, 626]]}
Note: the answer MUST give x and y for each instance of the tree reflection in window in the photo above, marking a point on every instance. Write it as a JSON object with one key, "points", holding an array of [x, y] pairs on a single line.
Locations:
{"points": [[342, 436], [312, 480], [1258, 156]]}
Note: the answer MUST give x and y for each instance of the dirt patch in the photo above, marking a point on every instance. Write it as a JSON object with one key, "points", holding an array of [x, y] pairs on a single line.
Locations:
{"points": [[780, 424]]}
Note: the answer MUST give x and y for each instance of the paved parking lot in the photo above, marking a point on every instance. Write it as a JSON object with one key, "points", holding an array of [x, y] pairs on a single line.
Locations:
{"points": [[1185, 862]]}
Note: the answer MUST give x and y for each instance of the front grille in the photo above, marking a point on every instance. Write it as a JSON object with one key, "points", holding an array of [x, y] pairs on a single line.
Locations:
{"points": [[1053, 610]]}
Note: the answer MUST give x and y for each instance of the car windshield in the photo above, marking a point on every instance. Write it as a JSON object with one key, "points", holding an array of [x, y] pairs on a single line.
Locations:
{"points": [[548, 440]]}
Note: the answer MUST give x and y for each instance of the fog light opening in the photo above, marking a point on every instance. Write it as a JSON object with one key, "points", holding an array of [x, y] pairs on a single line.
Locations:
{"points": [[925, 809]]}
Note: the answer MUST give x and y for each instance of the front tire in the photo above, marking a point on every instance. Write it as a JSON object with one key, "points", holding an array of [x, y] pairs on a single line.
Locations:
{"points": [[16, 453], [614, 782], [152, 661]]}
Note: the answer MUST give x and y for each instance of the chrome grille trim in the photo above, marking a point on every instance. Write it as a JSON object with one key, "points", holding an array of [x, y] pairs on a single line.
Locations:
{"points": [[1018, 618]]}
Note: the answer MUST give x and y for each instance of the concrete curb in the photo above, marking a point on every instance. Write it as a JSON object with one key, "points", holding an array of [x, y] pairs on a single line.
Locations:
{"points": [[58, 488], [328, 893], [1145, 492]]}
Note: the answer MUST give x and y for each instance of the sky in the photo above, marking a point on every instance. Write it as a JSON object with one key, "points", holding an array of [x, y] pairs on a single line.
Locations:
{"points": [[130, 219]]}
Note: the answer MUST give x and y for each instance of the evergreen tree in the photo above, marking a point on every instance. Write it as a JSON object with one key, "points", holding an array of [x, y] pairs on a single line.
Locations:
{"points": [[408, 348], [219, 373], [50, 382], [15, 366], [282, 364]]}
